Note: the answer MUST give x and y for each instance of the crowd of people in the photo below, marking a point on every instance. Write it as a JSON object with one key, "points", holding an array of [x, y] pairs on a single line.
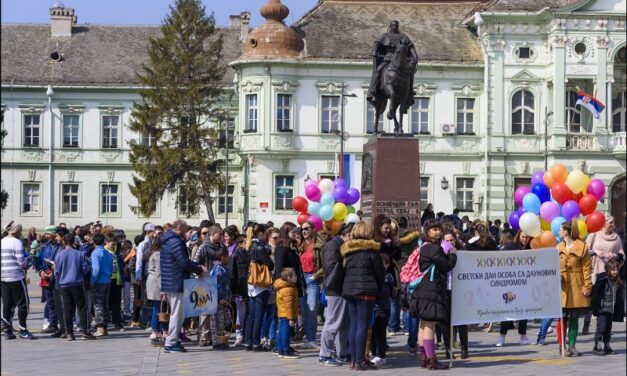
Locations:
{"points": [[277, 285]]}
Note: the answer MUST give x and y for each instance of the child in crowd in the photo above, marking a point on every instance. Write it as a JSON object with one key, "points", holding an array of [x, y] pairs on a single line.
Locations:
{"points": [[608, 297], [217, 321], [287, 310], [382, 311]]}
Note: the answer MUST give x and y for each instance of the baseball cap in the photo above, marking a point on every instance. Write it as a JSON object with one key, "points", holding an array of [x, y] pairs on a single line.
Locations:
{"points": [[52, 230], [149, 227]]}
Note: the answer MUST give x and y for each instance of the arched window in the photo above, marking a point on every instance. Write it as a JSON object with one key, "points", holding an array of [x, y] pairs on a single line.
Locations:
{"points": [[523, 112], [619, 92]]}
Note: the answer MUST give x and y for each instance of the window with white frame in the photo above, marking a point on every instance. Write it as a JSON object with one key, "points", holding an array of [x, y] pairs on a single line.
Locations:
{"points": [[283, 112], [227, 132], [185, 206], [370, 117], [330, 113], [110, 131], [618, 111], [225, 201], [31, 198], [70, 131], [32, 130], [147, 139], [465, 187], [420, 115], [283, 192], [251, 113], [465, 115], [109, 198], [69, 198], [575, 122], [523, 112], [424, 191]]}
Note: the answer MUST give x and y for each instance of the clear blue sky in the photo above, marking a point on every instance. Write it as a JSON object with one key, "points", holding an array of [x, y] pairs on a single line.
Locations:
{"points": [[139, 12]]}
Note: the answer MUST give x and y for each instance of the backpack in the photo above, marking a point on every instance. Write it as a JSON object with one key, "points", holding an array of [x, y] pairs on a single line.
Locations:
{"points": [[411, 269], [414, 287]]}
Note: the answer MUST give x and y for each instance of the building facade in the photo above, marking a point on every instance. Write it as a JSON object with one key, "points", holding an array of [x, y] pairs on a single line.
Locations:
{"points": [[494, 103]]}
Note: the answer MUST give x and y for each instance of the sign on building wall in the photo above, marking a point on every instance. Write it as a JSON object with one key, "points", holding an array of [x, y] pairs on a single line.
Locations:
{"points": [[505, 285]]}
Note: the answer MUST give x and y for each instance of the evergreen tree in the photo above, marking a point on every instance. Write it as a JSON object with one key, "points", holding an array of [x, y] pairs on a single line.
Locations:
{"points": [[179, 150]]}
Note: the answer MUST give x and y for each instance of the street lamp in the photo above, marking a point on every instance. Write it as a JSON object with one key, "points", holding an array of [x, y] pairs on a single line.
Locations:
{"points": [[342, 133], [546, 137], [49, 94], [444, 184]]}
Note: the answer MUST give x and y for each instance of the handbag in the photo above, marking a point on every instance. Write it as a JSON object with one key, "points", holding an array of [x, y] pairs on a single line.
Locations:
{"points": [[259, 275], [335, 279], [164, 316]]}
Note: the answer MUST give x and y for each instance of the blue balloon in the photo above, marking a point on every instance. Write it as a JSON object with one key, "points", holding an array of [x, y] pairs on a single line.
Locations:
{"points": [[327, 199], [326, 212], [542, 191], [314, 208], [555, 225], [532, 203]]}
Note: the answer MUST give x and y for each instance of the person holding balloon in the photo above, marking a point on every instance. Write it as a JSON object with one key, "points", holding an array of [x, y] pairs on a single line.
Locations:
{"points": [[311, 263], [576, 273]]}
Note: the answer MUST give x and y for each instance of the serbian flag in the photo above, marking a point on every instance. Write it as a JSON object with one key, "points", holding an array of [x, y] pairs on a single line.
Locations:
{"points": [[590, 103]]}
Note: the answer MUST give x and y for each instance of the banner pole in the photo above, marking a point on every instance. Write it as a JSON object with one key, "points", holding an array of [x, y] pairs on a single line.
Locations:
{"points": [[563, 339], [450, 342]]}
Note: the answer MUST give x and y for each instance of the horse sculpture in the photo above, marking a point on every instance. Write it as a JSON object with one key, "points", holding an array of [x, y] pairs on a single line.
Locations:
{"points": [[395, 86]]}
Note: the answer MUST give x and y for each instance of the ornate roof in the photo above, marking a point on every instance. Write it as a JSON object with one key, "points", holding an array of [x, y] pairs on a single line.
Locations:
{"points": [[95, 55], [273, 39], [346, 30], [528, 5]]}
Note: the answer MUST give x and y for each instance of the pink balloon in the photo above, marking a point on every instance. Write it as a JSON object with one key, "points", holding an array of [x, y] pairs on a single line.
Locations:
{"points": [[520, 193], [549, 211], [313, 192], [311, 182], [596, 188], [317, 222]]}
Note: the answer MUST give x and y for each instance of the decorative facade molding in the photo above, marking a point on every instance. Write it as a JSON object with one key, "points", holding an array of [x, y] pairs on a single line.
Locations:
{"points": [[285, 165], [525, 76], [283, 141], [466, 167], [425, 89], [329, 87], [422, 167], [110, 176], [498, 44], [70, 156], [330, 166], [467, 90], [110, 157], [33, 155], [329, 144], [32, 108], [251, 87], [72, 108], [250, 142], [70, 175], [32, 174], [603, 41], [524, 167], [285, 86], [559, 41], [111, 109]]}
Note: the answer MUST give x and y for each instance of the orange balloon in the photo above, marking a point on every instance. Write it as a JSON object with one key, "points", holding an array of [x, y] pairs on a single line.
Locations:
{"points": [[559, 173], [547, 239], [544, 225], [536, 242], [548, 179], [335, 226]]}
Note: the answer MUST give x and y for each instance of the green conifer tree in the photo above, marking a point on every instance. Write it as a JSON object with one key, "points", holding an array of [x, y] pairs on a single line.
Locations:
{"points": [[179, 150], [4, 195]]}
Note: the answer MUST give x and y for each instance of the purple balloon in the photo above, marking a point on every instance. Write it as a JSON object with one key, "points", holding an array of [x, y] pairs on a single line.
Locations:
{"points": [[520, 193], [340, 194], [596, 188], [570, 210], [353, 196], [514, 217], [549, 211], [313, 192], [339, 182], [537, 178]]}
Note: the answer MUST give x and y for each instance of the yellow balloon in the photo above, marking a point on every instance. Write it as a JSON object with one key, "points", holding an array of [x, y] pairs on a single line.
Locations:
{"points": [[339, 211], [583, 228], [576, 181], [544, 225], [586, 184]]}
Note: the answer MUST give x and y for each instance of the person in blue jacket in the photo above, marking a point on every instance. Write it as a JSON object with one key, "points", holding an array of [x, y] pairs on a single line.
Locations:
{"points": [[175, 267], [101, 271], [42, 264]]}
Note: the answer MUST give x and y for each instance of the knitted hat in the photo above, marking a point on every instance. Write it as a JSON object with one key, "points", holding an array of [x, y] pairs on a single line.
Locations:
{"points": [[52, 230]]}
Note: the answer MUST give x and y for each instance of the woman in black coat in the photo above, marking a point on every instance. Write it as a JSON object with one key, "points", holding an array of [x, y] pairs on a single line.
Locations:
{"points": [[286, 255], [431, 295], [363, 279], [482, 240]]}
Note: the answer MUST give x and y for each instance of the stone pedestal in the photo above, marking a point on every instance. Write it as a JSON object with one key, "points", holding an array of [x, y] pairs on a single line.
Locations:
{"points": [[391, 178]]}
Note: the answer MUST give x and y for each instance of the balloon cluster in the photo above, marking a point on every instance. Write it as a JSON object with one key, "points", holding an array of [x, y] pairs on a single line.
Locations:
{"points": [[557, 196], [330, 202]]}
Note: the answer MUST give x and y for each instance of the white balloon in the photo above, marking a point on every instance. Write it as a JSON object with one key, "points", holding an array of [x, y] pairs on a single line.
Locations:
{"points": [[352, 218], [326, 185], [530, 224]]}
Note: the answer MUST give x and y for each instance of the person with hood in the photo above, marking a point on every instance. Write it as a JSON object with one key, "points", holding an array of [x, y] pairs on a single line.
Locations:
{"points": [[206, 255], [101, 271], [42, 264], [175, 267], [334, 336], [364, 277], [239, 263], [287, 310], [311, 262]]}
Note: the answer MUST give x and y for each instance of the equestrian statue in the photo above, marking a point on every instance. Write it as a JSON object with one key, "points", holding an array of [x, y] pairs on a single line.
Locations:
{"points": [[395, 59]]}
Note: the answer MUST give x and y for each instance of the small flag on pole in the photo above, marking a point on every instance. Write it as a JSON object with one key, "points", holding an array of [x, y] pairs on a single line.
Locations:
{"points": [[590, 103]]}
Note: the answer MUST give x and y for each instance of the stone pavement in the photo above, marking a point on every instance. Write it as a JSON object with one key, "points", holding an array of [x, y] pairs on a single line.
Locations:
{"points": [[129, 353]]}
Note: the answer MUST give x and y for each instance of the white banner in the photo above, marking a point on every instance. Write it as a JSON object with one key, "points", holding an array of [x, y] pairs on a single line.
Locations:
{"points": [[491, 286], [200, 296]]}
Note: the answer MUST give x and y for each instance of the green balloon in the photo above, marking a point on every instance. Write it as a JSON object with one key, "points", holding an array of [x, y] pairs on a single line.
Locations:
{"points": [[351, 209]]}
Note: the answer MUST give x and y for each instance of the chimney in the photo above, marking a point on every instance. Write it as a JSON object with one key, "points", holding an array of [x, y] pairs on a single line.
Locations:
{"points": [[234, 21], [244, 19], [61, 20]]}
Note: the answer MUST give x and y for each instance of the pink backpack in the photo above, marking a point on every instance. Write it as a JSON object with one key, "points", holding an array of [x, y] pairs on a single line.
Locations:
{"points": [[411, 269]]}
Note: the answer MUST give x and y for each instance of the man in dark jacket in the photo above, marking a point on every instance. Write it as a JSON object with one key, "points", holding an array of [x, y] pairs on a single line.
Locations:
{"points": [[238, 278], [175, 267], [334, 336]]}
